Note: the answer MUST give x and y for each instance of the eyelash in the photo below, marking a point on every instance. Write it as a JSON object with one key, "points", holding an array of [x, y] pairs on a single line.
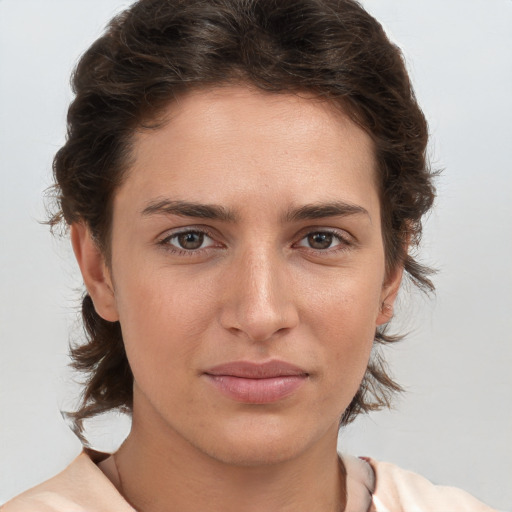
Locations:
{"points": [[165, 242], [344, 243]]}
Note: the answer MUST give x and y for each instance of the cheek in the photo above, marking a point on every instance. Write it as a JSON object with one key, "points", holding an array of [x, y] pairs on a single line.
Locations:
{"points": [[163, 320], [344, 323], [347, 301]]}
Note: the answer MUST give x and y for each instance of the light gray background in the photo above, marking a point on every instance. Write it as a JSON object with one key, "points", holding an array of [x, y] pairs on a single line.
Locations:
{"points": [[454, 425]]}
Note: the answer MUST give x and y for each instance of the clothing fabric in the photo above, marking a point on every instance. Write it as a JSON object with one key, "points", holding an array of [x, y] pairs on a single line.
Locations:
{"points": [[90, 484]]}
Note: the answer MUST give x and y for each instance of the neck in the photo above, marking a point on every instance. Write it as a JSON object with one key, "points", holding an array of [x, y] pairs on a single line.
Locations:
{"points": [[165, 473]]}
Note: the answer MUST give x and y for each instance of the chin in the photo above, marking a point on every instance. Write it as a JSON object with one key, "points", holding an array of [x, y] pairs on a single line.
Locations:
{"points": [[259, 442], [261, 453]]}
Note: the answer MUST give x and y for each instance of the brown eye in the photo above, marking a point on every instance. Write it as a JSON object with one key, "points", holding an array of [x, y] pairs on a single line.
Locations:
{"points": [[190, 240], [320, 240]]}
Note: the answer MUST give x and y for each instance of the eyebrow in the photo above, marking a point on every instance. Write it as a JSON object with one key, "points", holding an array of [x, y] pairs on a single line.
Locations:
{"points": [[216, 212], [188, 209], [323, 210]]}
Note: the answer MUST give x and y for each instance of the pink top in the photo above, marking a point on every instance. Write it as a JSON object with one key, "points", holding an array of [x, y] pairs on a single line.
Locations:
{"points": [[89, 484]]}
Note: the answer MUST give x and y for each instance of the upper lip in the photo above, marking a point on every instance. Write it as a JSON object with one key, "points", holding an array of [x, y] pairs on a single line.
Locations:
{"points": [[252, 370]]}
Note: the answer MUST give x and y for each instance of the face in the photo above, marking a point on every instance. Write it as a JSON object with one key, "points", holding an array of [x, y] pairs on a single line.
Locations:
{"points": [[247, 272]]}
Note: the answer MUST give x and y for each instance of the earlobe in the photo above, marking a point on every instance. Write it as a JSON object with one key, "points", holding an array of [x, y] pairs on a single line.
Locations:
{"points": [[388, 296], [94, 271]]}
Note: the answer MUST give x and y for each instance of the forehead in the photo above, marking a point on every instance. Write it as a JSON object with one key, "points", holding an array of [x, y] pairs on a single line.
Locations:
{"points": [[221, 111], [231, 143]]}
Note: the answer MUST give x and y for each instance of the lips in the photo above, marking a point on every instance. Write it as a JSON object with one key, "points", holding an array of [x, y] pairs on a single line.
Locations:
{"points": [[257, 383]]}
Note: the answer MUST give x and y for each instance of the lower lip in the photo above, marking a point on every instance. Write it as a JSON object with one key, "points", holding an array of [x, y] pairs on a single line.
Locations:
{"points": [[257, 391]]}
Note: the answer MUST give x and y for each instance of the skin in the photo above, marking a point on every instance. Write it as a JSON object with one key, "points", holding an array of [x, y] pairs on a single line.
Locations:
{"points": [[259, 287]]}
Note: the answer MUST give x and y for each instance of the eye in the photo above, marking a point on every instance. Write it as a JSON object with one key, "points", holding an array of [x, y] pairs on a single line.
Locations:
{"points": [[189, 240], [321, 240]]}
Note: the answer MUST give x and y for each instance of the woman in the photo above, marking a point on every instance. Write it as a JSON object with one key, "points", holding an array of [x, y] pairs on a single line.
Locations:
{"points": [[243, 183]]}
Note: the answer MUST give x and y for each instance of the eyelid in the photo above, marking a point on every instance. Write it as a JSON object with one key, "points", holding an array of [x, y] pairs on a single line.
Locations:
{"points": [[163, 239], [345, 238], [194, 228], [175, 238]]}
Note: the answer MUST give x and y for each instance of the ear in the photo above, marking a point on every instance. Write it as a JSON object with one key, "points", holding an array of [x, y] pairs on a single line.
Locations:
{"points": [[389, 294], [95, 272]]}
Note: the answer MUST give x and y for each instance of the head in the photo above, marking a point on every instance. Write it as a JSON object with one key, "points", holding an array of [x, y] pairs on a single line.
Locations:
{"points": [[163, 62]]}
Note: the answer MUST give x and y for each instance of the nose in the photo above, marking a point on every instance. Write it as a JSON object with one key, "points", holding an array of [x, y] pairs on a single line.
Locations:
{"points": [[258, 297]]}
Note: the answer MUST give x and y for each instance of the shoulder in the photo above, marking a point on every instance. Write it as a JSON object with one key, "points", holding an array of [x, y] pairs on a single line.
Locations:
{"points": [[75, 489], [399, 490]]}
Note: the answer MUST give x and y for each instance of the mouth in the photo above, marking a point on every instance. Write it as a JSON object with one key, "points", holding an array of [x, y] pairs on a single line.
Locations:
{"points": [[257, 383]]}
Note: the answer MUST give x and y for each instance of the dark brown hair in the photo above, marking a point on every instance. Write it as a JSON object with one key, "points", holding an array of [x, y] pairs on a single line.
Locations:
{"points": [[159, 49]]}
